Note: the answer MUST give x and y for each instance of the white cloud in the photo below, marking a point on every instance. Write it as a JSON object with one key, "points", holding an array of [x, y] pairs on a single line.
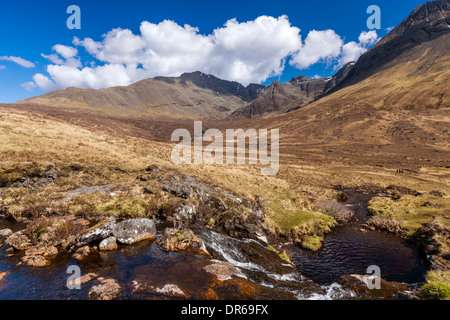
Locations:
{"points": [[20, 61], [2, 67], [319, 46], [351, 51], [29, 86], [65, 51], [240, 51], [368, 38]]}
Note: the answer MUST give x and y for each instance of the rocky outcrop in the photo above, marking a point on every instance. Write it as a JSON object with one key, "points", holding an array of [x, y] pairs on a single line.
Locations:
{"points": [[134, 230], [108, 289]]}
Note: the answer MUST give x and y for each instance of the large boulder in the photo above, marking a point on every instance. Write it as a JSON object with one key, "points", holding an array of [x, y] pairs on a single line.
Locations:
{"points": [[98, 232], [134, 230]]}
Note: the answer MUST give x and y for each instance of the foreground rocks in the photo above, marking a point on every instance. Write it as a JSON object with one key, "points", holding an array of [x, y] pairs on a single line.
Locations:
{"points": [[108, 289]]}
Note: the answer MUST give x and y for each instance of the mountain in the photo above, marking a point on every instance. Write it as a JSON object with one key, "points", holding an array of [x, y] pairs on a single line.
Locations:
{"points": [[394, 105], [285, 97], [426, 23], [192, 95]]}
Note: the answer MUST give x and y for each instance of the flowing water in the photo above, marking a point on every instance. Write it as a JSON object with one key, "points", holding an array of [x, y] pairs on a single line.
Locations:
{"points": [[346, 250]]}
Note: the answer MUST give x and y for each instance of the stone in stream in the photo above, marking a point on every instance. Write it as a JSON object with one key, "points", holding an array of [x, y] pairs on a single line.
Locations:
{"points": [[3, 275], [181, 240], [19, 241], [98, 232], [41, 250], [134, 230], [35, 261], [5, 232], [223, 270], [108, 244], [82, 253], [108, 289], [82, 280]]}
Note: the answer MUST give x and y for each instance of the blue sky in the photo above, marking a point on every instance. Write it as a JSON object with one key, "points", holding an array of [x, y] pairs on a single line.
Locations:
{"points": [[32, 28]]}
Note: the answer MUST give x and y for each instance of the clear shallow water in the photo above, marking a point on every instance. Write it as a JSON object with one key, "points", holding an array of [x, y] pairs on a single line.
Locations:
{"points": [[347, 250]]}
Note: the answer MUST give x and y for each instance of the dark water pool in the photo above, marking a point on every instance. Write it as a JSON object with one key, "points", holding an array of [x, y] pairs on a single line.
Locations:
{"points": [[347, 250]]}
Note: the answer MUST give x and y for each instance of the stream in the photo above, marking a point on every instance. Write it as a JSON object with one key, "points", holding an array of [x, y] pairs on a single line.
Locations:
{"points": [[346, 250]]}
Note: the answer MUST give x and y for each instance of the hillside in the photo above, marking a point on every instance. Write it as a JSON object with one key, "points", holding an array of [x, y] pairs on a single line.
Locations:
{"points": [[192, 95]]}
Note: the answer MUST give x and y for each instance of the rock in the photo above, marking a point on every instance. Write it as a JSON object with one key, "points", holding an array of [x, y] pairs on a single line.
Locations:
{"points": [[41, 250], [83, 280], [82, 253], [181, 240], [171, 290], [134, 230], [152, 168], [406, 295], [181, 190], [223, 270], [437, 193], [19, 241], [359, 284], [108, 289], [108, 244], [100, 231], [185, 213], [3, 275], [430, 204], [5, 232], [342, 197], [37, 261]]}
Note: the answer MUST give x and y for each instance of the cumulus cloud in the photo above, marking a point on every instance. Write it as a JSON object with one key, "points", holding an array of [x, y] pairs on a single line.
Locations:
{"points": [[319, 46], [20, 61], [352, 50], [247, 52]]}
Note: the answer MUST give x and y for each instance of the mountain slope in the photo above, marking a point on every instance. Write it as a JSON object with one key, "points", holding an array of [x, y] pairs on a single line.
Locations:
{"points": [[397, 113], [192, 95], [426, 23]]}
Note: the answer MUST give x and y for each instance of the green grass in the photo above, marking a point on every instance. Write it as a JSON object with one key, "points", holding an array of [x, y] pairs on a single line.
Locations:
{"points": [[438, 285], [409, 211]]}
